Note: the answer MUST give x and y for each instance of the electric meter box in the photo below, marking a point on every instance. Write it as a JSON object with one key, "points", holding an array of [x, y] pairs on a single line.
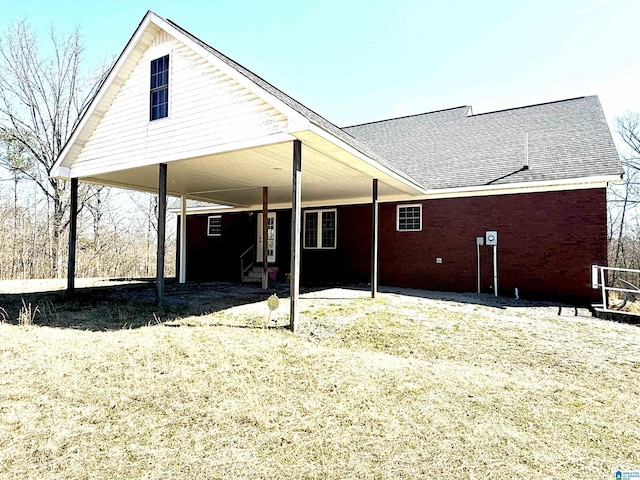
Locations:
{"points": [[491, 237]]}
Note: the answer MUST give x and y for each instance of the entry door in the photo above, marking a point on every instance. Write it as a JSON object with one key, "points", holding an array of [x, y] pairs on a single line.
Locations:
{"points": [[271, 237]]}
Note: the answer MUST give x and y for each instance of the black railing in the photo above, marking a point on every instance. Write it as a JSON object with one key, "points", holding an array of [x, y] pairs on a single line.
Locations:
{"points": [[247, 261]]}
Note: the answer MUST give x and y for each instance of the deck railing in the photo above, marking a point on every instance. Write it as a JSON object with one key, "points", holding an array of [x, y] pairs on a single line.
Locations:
{"points": [[601, 279]]}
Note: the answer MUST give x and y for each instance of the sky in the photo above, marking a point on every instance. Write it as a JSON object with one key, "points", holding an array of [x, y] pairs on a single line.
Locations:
{"points": [[356, 61]]}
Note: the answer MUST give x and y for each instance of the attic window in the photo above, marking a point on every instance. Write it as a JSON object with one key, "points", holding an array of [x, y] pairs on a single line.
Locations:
{"points": [[159, 88]]}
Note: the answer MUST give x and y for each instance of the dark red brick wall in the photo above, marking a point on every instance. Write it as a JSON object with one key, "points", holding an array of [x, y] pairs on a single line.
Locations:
{"points": [[546, 245], [217, 258], [350, 261]]}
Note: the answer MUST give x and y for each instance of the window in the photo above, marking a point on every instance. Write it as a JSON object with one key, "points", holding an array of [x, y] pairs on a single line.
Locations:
{"points": [[320, 229], [409, 218], [160, 88], [214, 226]]}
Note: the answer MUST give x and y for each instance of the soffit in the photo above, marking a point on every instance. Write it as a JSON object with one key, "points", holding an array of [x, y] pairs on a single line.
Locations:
{"points": [[330, 174]]}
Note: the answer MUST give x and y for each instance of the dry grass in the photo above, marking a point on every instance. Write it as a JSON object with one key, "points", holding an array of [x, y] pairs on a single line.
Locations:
{"points": [[398, 387], [27, 314]]}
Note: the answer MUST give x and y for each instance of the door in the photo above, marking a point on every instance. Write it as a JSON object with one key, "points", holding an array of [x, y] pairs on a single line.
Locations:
{"points": [[271, 238]]}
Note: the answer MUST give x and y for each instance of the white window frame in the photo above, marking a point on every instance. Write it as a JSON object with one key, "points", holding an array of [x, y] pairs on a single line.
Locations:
{"points": [[408, 205], [168, 87], [318, 213], [209, 225]]}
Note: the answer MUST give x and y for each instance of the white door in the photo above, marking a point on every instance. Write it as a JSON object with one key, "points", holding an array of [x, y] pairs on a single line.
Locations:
{"points": [[271, 238]]}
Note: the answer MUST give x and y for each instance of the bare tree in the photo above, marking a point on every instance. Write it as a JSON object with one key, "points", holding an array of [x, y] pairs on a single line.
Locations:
{"points": [[41, 100], [147, 206], [624, 198], [13, 156]]}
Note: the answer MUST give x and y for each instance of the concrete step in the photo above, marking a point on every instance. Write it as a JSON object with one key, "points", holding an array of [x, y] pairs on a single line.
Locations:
{"points": [[254, 273], [248, 279]]}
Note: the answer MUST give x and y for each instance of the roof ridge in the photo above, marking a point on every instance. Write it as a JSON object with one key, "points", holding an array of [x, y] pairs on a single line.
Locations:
{"points": [[407, 116], [530, 106]]}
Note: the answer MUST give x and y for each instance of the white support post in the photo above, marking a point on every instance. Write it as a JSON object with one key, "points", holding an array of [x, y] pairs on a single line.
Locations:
{"points": [[265, 238], [374, 238], [73, 235], [182, 278], [605, 303], [162, 220], [296, 213]]}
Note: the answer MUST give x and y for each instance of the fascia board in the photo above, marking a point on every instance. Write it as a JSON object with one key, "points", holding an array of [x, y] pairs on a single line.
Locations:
{"points": [[523, 187], [61, 172]]}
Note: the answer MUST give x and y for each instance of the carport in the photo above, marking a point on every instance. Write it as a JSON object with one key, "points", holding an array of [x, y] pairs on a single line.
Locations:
{"points": [[230, 138]]}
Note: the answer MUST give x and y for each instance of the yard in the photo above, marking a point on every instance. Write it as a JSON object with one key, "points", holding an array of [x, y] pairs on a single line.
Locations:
{"points": [[410, 385]]}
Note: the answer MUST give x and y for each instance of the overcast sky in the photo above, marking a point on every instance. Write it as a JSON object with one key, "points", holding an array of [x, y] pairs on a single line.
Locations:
{"points": [[360, 61]]}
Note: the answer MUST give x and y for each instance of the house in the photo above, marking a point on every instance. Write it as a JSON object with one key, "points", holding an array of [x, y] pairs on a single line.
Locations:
{"points": [[536, 175], [403, 201]]}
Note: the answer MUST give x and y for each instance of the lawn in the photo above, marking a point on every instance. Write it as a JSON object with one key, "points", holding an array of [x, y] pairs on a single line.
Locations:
{"points": [[397, 387]]}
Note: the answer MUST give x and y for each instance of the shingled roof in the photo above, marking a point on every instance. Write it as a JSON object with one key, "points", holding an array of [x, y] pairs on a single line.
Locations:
{"points": [[567, 140]]}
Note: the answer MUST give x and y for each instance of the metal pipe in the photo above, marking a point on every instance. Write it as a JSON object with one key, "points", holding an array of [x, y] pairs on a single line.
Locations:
{"points": [[479, 243], [495, 270], [526, 150], [478, 257]]}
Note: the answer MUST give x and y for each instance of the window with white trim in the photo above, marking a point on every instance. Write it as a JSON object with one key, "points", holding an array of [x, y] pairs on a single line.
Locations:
{"points": [[159, 88], [409, 218], [320, 229], [214, 226]]}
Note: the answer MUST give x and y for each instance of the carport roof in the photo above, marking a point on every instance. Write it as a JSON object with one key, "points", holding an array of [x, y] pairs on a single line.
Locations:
{"points": [[337, 168]]}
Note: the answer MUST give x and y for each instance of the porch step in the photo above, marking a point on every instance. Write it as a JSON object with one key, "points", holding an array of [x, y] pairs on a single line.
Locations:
{"points": [[253, 276]]}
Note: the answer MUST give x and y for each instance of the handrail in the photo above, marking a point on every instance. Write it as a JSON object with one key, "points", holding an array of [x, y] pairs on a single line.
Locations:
{"points": [[243, 269], [616, 269], [247, 251]]}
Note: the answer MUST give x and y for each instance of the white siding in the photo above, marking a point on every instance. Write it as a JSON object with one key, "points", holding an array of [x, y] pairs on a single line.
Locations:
{"points": [[207, 108]]}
